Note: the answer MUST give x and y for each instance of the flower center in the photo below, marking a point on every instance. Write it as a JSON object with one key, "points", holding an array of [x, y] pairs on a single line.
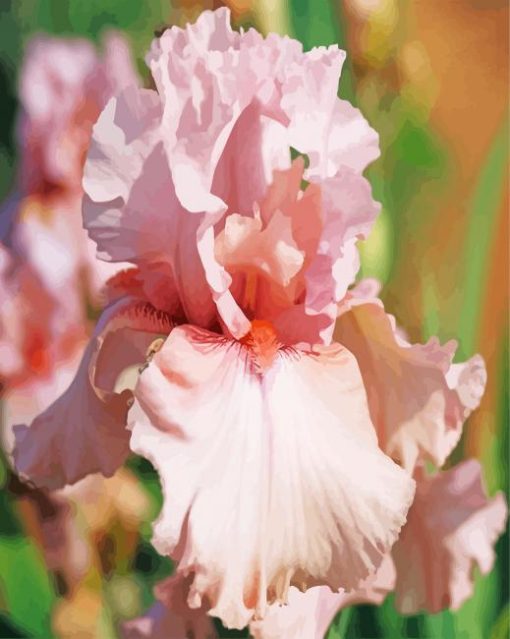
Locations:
{"points": [[262, 343]]}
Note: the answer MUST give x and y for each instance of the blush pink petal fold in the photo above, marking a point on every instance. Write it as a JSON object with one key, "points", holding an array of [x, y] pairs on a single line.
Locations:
{"points": [[308, 615], [83, 431], [195, 159], [452, 527], [418, 399], [293, 261], [270, 469]]}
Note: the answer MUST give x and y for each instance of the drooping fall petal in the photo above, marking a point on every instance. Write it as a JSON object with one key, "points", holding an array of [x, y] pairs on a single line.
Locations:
{"points": [[83, 431], [452, 527], [270, 470], [418, 399]]}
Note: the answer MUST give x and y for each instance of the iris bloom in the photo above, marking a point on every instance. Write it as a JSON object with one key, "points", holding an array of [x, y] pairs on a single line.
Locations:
{"points": [[274, 400]]}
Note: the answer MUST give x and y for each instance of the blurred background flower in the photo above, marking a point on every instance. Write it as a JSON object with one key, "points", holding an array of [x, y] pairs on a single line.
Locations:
{"points": [[431, 77]]}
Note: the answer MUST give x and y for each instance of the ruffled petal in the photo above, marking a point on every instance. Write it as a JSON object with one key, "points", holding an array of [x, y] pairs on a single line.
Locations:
{"points": [[452, 527], [348, 215], [293, 260], [352, 141], [171, 617], [271, 477], [83, 431], [418, 399], [165, 168], [130, 207], [308, 615]]}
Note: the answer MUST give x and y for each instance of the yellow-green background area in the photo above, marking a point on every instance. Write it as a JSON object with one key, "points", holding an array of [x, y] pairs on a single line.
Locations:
{"points": [[431, 77]]}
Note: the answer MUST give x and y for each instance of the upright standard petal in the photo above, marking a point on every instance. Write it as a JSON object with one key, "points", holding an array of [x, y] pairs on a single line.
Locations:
{"points": [[418, 399], [452, 527], [83, 431], [130, 207], [270, 469], [166, 168], [292, 261]]}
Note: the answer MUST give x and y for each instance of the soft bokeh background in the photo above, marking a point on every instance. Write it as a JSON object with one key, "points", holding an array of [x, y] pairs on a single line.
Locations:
{"points": [[431, 76]]}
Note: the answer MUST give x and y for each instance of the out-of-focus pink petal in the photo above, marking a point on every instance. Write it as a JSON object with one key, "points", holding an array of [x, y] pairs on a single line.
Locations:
{"points": [[10, 356], [23, 401], [171, 617], [418, 399], [308, 615], [32, 336], [83, 431], [51, 281], [63, 87], [271, 477], [452, 527], [117, 64]]}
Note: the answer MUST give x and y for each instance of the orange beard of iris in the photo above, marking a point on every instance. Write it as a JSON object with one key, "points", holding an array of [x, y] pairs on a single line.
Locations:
{"points": [[262, 343]]}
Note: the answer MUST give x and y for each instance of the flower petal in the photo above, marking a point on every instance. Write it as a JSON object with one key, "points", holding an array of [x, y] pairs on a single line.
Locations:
{"points": [[418, 400], [308, 615], [165, 168], [83, 431], [452, 526], [265, 474], [130, 207]]}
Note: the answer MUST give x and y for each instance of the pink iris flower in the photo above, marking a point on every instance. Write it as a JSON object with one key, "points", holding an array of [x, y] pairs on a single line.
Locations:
{"points": [[284, 413]]}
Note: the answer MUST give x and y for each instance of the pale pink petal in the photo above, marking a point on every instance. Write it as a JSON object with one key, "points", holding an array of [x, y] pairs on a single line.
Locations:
{"points": [[118, 63], [352, 142], [367, 288], [292, 261], [452, 527], [349, 213], [130, 207], [271, 471], [171, 617], [418, 399], [309, 100], [32, 336], [50, 284], [11, 359], [308, 615], [52, 82], [63, 87], [164, 168], [83, 431], [22, 402]]}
